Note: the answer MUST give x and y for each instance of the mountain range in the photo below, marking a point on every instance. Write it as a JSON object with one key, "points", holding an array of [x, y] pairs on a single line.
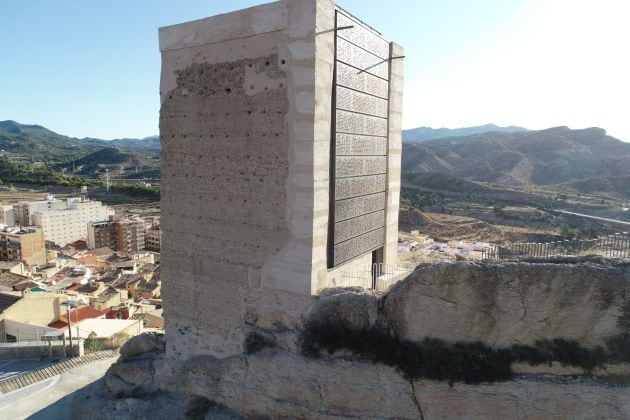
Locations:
{"points": [[586, 160], [36, 143], [89, 157], [422, 134]]}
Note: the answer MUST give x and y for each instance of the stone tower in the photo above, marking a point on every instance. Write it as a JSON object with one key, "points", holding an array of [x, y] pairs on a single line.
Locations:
{"points": [[280, 129]]}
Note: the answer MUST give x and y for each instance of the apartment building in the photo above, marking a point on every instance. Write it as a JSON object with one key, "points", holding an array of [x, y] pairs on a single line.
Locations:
{"points": [[100, 235], [7, 215], [129, 235], [153, 239], [24, 210], [69, 224], [123, 234], [25, 244]]}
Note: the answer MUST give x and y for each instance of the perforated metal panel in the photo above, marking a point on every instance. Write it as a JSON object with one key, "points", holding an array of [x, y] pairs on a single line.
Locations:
{"points": [[359, 141]]}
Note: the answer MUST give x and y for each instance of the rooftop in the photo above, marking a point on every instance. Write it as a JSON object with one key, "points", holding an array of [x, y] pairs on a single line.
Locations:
{"points": [[7, 300], [9, 279], [77, 315], [147, 286]]}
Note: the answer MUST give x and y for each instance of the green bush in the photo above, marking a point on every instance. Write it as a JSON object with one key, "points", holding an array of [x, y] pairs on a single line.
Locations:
{"points": [[92, 344]]}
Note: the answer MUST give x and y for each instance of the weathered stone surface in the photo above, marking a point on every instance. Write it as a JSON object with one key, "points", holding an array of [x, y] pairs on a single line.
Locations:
{"points": [[130, 377], [278, 384], [511, 303], [141, 344], [523, 399], [357, 306]]}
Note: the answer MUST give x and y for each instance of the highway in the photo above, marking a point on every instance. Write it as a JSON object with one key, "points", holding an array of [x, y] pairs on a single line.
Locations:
{"points": [[595, 217]]}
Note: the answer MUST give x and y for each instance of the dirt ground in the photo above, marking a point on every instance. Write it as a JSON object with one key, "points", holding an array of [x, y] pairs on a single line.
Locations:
{"points": [[445, 227]]}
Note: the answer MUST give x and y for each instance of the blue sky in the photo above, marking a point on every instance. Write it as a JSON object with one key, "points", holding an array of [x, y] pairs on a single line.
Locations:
{"points": [[88, 68]]}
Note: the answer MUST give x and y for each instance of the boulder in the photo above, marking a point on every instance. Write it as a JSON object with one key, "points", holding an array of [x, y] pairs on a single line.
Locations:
{"points": [[355, 306], [134, 372], [141, 344], [507, 304]]}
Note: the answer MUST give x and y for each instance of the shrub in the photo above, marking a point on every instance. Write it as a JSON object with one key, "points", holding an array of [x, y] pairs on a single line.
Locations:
{"points": [[92, 343]]}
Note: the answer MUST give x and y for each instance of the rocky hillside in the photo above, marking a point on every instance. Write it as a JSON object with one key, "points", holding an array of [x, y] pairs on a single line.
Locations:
{"points": [[117, 161], [553, 156], [26, 144], [450, 341], [422, 134], [37, 143]]}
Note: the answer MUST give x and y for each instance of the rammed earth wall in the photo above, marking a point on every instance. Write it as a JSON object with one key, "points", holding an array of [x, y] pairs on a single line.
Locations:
{"points": [[246, 124]]}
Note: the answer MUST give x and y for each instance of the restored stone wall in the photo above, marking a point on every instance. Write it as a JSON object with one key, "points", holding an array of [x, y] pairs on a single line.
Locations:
{"points": [[245, 126]]}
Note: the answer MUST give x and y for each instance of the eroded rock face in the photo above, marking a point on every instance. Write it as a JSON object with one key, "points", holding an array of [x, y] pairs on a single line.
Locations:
{"points": [[509, 304], [134, 372], [524, 399], [142, 344], [277, 384], [500, 305], [356, 306]]}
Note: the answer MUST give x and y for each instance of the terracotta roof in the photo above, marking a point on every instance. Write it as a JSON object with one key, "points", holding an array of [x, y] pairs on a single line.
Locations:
{"points": [[58, 325], [77, 315], [7, 300]]}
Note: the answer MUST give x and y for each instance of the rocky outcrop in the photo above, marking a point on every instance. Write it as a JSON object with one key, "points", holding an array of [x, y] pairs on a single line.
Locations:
{"points": [[524, 398], [277, 384], [451, 341], [133, 374], [510, 304]]}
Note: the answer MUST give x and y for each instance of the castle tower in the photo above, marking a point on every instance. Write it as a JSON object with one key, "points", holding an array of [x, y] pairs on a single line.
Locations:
{"points": [[280, 129]]}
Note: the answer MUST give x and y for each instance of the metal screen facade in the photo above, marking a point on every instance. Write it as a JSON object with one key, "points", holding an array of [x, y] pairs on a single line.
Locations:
{"points": [[359, 141]]}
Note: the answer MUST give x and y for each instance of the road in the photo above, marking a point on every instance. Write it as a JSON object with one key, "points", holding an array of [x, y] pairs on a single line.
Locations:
{"points": [[595, 217], [10, 368], [54, 398]]}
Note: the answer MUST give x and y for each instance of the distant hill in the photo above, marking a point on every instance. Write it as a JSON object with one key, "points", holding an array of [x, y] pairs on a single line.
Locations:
{"points": [[422, 134], [119, 162], [87, 157], [583, 159], [36, 143]]}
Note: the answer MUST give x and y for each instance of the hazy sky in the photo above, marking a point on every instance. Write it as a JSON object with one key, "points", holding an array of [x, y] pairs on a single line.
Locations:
{"points": [[91, 68]]}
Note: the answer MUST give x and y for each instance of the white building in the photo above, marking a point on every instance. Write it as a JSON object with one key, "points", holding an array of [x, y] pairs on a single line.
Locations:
{"points": [[7, 215], [24, 210], [69, 224]]}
